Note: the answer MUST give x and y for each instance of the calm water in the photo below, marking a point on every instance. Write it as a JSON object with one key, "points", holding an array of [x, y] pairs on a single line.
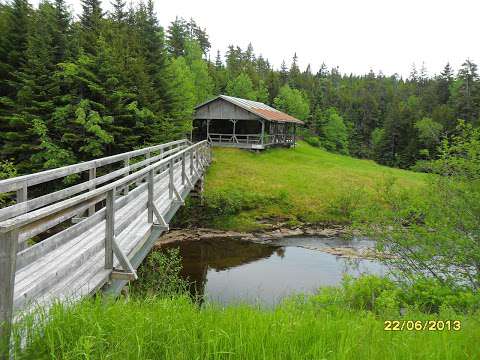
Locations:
{"points": [[229, 271]]}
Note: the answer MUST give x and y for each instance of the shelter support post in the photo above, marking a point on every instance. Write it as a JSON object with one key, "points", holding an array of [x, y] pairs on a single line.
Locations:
{"points": [[294, 135], [208, 131], [263, 132]]}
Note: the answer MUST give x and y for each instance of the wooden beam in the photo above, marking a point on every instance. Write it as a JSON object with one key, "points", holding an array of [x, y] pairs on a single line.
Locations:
{"points": [[119, 274], [123, 259]]}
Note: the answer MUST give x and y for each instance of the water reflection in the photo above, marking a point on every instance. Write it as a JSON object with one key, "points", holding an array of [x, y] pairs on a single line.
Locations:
{"points": [[229, 271]]}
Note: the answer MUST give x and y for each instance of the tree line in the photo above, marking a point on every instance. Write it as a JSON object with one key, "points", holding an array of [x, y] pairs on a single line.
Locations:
{"points": [[72, 89]]}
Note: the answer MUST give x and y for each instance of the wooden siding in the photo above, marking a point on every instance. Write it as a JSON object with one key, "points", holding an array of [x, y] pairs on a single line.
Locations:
{"points": [[222, 109]]}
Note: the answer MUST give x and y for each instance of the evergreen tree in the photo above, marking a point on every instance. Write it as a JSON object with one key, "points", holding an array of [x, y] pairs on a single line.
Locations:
{"points": [[294, 73], [177, 35], [119, 14], [466, 93], [90, 24], [444, 83], [15, 23]]}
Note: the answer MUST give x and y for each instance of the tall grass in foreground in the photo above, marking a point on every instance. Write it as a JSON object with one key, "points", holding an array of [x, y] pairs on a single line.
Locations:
{"points": [[323, 326]]}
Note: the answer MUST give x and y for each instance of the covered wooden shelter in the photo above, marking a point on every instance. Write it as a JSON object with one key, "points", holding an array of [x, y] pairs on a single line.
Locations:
{"points": [[233, 122]]}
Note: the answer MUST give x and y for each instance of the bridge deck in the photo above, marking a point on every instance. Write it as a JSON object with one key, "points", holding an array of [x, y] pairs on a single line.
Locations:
{"points": [[103, 249]]}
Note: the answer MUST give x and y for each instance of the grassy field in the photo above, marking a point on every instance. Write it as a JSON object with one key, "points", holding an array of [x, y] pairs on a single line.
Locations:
{"points": [[297, 329], [304, 184]]}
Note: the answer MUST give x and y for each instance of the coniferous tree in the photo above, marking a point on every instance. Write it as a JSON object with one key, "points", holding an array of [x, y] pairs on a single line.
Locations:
{"points": [[90, 24], [15, 23]]}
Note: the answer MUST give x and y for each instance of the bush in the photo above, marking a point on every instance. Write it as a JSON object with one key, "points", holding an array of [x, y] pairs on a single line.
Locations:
{"points": [[430, 295], [345, 203], [159, 275], [382, 295], [312, 140], [365, 292], [233, 201]]}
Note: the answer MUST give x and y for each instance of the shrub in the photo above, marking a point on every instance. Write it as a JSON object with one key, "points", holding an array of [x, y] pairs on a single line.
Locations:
{"points": [[430, 295], [233, 201], [159, 275], [385, 296], [345, 203], [365, 292], [312, 140]]}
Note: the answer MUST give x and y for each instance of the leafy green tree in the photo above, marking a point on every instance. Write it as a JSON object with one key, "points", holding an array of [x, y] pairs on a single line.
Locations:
{"points": [[183, 98], [334, 134], [262, 92], [293, 102], [429, 134], [203, 82], [241, 87]]}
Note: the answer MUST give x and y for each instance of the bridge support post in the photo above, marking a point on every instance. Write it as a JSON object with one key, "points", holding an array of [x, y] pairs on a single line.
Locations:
{"points": [[184, 175], [109, 228], [92, 174], [8, 257], [197, 160], [126, 164], [170, 183], [191, 162], [150, 204]]}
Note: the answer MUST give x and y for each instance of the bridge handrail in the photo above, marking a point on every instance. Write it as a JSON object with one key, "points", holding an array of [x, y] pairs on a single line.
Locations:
{"points": [[99, 193], [20, 182]]}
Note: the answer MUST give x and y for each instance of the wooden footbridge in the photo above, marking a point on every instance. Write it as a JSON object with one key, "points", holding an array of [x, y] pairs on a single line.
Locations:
{"points": [[70, 242]]}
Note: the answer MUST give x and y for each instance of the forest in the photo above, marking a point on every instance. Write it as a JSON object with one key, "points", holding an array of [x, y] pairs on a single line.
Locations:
{"points": [[74, 88]]}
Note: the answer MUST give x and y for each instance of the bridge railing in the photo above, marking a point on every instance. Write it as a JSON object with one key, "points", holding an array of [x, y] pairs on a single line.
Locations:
{"points": [[23, 221], [21, 184]]}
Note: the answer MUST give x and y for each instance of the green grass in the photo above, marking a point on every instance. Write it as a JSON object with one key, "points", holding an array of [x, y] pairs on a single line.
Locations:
{"points": [[297, 329], [304, 184]]}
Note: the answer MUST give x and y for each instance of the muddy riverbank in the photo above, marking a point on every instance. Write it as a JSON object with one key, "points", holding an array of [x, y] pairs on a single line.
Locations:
{"points": [[350, 247]]}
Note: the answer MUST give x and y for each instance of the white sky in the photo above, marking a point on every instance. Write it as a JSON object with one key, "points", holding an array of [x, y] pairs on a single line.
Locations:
{"points": [[356, 35]]}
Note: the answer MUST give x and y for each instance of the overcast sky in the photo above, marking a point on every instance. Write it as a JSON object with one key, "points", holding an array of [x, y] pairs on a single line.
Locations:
{"points": [[356, 35]]}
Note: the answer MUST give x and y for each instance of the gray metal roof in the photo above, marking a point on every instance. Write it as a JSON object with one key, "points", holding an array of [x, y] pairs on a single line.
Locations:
{"points": [[260, 109]]}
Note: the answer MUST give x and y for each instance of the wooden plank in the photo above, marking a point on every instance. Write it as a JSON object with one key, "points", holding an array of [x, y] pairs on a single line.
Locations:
{"points": [[48, 271], [37, 227], [126, 215], [42, 248]]}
